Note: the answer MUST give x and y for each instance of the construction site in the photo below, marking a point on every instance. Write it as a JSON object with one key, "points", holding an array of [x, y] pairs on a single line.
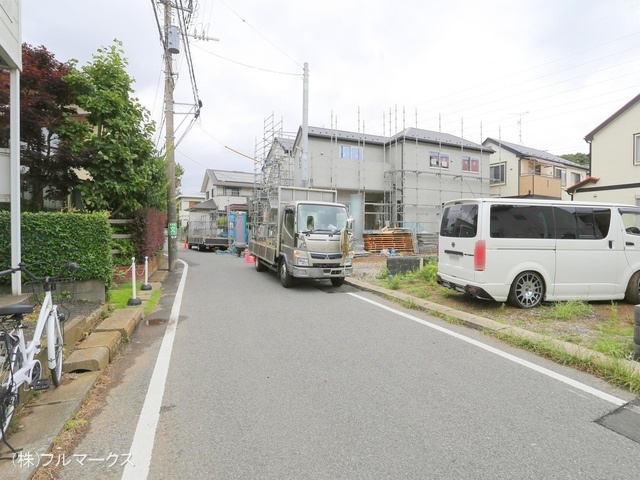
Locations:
{"points": [[394, 186]]}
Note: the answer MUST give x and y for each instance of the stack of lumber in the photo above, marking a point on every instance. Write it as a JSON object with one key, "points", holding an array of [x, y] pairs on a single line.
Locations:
{"points": [[400, 239]]}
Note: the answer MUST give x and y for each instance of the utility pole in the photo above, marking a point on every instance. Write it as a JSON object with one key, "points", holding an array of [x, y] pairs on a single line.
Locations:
{"points": [[172, 223], [304, 143]]}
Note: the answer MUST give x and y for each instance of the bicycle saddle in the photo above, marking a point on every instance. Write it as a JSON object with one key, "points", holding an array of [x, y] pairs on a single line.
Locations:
{"points": [[10, 305]]}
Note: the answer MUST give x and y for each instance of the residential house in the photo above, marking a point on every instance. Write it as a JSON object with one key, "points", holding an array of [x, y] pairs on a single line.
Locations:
{"points": [[185, 202], [227, 187], [519, 171], [400, 180], [615, 159]]}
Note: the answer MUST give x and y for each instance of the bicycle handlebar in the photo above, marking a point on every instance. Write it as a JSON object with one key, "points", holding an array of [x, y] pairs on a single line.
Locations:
{"points": [[22, 267]]}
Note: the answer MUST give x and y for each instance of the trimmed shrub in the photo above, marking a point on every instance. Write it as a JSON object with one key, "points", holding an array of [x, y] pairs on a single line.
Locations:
{"points": [[52, 239]]}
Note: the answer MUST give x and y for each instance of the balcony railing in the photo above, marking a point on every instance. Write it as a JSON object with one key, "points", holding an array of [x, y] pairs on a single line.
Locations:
{"points": [[546, 185]]}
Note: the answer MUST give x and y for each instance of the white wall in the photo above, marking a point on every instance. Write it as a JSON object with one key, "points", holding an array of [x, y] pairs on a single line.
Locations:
{"points": [[612, 156]]}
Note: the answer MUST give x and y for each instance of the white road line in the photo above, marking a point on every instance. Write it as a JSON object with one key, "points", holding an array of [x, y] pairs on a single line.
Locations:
{"points": [[142, 447], [513, 358]]}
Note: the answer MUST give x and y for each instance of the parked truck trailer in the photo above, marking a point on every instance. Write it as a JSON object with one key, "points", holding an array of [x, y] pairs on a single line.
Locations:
{"points": [[207, 230]]}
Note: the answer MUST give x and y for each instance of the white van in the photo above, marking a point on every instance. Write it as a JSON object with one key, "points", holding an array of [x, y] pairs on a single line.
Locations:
{"points": [[527, 251]]}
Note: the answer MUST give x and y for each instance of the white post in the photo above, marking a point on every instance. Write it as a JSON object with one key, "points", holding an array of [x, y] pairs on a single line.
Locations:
{"points": [[133, 300], [14, 155], [146, 285]]}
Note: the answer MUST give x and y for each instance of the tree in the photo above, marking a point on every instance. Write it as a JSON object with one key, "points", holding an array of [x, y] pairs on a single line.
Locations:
{"points": [[581, 158], [127, 173], [50, 137]]}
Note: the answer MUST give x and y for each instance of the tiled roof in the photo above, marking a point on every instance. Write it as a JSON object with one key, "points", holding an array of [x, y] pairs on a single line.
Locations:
{"points": [[523, 151]]}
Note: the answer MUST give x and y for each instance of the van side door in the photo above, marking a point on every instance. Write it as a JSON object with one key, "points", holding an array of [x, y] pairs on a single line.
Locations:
{"points": [[631, 234], [587, 253]]}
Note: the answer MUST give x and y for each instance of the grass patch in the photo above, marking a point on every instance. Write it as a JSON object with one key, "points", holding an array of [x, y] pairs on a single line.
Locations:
{"points": [[120, 296], [570, 309], [609, 369]]}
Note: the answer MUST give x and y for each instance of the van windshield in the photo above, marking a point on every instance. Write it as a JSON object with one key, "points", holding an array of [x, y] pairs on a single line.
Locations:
{"points": [[460, 221]]}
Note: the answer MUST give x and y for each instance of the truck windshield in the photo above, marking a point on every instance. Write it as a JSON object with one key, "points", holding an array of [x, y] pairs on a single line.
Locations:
{"points": [[319, 218]]}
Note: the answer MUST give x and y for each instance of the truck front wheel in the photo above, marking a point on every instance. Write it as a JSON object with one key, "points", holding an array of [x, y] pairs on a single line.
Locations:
{"points": [[337, 281], [285, 279], [260, 267]]}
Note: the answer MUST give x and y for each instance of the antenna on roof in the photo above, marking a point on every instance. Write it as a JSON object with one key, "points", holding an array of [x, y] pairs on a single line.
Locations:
{"points": [[520, 115]]}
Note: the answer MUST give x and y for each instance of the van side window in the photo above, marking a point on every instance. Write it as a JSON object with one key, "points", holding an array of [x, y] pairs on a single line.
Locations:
{"points": [[521, 221], [565, 218], [460, 221], [631, 221], [582, 222], [602, 221]]}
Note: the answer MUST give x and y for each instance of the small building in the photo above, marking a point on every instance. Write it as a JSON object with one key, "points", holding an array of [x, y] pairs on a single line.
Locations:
{"points": [[519, 171]]}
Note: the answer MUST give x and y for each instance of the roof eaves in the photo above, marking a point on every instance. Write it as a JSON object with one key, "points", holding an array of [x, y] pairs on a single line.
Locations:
{"points": [[582, 183], [619, 112]]}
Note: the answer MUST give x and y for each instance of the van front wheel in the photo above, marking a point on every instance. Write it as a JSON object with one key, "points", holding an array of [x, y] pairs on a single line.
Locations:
{"points": [[527, 290], [632, 294]]}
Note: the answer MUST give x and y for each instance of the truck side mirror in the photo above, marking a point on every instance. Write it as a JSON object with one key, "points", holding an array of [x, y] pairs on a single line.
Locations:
{"points": [[350, 223]]}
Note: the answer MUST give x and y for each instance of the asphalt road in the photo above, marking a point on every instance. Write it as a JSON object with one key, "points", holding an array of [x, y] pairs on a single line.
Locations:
{"points": [[318, 382]]}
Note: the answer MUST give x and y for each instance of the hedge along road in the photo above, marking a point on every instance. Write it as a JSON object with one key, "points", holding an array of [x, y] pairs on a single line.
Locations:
{"points": [[314, 382]]}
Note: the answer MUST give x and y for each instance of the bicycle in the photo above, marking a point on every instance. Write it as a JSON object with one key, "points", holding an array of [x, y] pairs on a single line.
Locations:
{"points": [[19, 366]]}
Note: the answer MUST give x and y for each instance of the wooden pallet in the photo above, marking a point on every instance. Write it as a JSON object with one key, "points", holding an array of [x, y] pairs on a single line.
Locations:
{"points": [[400, 241]]}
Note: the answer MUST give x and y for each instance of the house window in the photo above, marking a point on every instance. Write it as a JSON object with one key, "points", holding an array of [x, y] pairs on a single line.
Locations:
{"points": [[470, 164], [496, 174], [562, 175], [350, 152], [575, 178], [636, 149], [438, 160], [232, 192], [534, 168]]}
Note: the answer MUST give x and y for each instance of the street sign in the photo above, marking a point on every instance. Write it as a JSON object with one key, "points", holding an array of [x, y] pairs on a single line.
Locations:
{"points": [[172, 229]]}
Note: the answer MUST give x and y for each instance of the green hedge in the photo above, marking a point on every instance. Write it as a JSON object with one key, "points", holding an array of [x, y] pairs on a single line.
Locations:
{"points": [[50, 240]]}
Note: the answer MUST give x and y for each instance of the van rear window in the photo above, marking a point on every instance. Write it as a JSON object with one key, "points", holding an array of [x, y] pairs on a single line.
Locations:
{"points": [[460, 221]]}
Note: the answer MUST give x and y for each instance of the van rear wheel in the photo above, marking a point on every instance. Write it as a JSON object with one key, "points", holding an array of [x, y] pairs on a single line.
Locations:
{"points": [[632, 295], [527, 290]]}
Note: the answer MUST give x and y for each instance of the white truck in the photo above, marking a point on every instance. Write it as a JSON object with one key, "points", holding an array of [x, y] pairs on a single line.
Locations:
{"points": [[301, 233], [207, 230]]}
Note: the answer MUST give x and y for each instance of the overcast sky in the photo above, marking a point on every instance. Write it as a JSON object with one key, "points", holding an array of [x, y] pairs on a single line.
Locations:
{"points": [[543, 73]]}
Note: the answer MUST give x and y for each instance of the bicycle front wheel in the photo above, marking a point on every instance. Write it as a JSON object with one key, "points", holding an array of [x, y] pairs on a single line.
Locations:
{"points": [[58, 350], [8, 391]]}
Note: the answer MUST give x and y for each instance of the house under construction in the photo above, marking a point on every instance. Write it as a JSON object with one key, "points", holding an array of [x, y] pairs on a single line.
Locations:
{"points": [[387, 182]]}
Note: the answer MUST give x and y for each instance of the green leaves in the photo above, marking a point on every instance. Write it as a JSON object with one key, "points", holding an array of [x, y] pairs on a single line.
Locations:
{"points": [[127, 173]]}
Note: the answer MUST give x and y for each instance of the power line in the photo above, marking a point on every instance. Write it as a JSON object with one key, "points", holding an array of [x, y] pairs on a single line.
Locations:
{"points": [[248, 66], [264, 37]]}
